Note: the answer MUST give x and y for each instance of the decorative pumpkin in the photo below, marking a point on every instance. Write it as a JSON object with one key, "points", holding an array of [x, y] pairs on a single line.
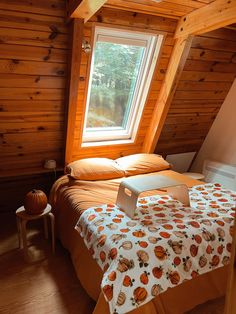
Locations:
{"points": [[143, 256], [127, 282], [125, 264], [112, 276], [193, 250], [164, 235], [156, 289], [187, 264], [143, 244], [177, 261], [221, 248], [144, 278], [139, 234], [226, 260], [202, 261], [125, 230], [127, 245], [168, 227], [108, 291], [113, 253], [35, 202], [174, 277], [102, 256], [176, 246], [194, 274], [121, 299], [215, 261], [152, 240], [140, 295], [160, 253], [157, 272], [116, 220]]}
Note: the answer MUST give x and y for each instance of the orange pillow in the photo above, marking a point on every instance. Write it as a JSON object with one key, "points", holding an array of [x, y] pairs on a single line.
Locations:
{"points": [[142, 163], [91, 169]]}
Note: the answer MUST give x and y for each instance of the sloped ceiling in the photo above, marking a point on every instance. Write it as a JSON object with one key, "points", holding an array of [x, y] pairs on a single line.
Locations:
{"points": [[168, 8], [205, 81]]}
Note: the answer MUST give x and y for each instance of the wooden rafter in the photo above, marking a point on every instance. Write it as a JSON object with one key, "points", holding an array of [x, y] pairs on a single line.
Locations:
{"points": [[76, 53], [175, 68], [215, 15], [84, 9]]}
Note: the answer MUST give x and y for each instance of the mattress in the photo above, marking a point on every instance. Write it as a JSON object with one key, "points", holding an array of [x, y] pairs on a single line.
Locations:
{"points": [[69, 198]]}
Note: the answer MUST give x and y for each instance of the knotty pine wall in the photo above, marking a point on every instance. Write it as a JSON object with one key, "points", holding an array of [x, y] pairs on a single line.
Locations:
{"points": [[33, 69], [136, 21], [207, 77]]}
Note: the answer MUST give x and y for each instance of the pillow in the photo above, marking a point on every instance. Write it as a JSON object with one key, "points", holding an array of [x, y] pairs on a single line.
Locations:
{"points": [[90, 169], [142, 163]]}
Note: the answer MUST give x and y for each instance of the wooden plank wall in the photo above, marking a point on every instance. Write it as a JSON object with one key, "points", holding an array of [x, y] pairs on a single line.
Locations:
{"points": [[33, 67], [207, 77], [136, 21]]}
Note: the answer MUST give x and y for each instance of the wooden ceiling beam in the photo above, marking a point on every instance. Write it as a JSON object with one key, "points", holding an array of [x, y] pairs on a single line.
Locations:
{"points": [[175, 68], [84, 9], [213, 16]]}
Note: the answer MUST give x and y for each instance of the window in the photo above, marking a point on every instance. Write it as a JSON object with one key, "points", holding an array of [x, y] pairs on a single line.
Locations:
{"points": [[122, 66]]}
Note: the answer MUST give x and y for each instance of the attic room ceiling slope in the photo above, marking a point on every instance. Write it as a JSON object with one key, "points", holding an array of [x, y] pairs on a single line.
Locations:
{"points": [[169, 8], [175, 67], [208, 18], [206, 79], [174, 9]]}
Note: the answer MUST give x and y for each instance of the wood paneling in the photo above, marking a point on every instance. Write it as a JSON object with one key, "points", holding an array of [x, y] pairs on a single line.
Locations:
{"points": [[43, 7], [135, 21], [173, 73], [14, 188], [207, 77], [168, 8], [218, 14], [33, 69]]}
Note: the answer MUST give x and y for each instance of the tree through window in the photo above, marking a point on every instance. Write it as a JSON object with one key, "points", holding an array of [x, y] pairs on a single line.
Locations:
{"points": [[121, 71]]}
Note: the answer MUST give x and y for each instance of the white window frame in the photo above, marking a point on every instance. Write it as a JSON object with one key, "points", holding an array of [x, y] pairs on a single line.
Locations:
{"points": [[152, 42]]}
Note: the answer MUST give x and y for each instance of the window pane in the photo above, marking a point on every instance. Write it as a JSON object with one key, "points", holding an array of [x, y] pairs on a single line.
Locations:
{"points": [[114, 78]]}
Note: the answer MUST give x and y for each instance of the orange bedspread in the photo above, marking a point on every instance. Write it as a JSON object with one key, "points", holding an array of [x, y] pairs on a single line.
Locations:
{"points": [[70, 197]]}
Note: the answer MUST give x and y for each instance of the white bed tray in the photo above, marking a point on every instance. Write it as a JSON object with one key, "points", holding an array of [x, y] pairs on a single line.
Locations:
{"points": [[130, 189]]}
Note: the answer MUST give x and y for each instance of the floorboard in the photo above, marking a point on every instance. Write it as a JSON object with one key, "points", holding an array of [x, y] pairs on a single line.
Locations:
{"points": [[46, 285]]}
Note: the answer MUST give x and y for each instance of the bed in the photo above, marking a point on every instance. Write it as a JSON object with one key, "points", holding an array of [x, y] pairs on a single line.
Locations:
{"points": [[70, 197]]}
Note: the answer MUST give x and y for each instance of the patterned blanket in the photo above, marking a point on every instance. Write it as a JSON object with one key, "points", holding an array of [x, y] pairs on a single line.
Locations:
{"points": [[164, 245]]}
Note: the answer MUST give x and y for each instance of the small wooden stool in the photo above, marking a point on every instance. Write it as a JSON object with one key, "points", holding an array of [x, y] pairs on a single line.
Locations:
{"points": [[22, 218]]}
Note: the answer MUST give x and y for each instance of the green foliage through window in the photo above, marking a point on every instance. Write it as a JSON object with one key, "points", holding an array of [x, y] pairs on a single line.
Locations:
{"points": [[114, 77]]}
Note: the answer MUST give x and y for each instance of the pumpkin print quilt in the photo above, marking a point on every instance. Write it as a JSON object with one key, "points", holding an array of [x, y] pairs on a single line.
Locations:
{"points": [[165, 244]]}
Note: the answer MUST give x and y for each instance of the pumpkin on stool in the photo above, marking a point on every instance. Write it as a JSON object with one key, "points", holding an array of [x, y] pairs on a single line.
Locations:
{"points": [[35, 202]]}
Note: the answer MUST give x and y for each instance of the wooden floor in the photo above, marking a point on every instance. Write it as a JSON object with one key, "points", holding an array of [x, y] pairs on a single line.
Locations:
{"points": [[48, 284]]}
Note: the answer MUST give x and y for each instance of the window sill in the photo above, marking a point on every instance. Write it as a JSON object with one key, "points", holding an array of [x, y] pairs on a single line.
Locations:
{"points": [[107, 143]]}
